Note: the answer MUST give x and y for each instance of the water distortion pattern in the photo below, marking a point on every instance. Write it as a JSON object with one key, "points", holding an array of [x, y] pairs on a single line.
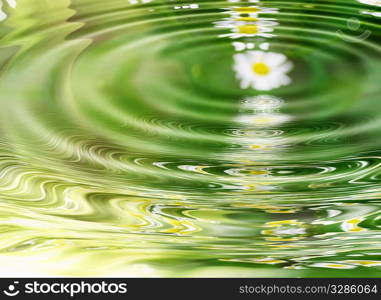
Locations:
{"points": [[190, 138]]}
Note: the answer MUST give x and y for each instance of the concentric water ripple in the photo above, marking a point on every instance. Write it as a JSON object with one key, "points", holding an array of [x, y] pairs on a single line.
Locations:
{"points": [[181, 138]]}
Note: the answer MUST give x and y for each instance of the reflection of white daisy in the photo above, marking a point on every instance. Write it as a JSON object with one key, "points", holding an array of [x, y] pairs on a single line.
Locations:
{"points": [[371, 2], [248, 172], [190, 6], [245, 22], [247, 29], [240, 46], [11, 3], [137, 1], [197, 169], [372, 13], [250, 1], [264, 103], [250, 11], [264, 119], [332, 265], [262, 70], [239, 22], [271, 145]]}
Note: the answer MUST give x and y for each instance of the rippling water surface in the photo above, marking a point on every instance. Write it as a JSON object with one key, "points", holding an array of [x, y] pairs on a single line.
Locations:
{"points": [[183, 138]]}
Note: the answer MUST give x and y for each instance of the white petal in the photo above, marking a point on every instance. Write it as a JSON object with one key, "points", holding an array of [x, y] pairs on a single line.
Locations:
{"points": [[275, 59]]}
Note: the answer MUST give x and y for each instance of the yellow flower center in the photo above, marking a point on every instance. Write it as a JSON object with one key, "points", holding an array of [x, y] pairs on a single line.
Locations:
{"points": [[261, 68], [246, 19], [248, 29], [259, 172], [246, 9]]}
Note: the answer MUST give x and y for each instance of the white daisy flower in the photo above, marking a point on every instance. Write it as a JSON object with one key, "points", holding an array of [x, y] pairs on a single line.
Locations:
{"points": [[371, 2], [262, 71]]}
